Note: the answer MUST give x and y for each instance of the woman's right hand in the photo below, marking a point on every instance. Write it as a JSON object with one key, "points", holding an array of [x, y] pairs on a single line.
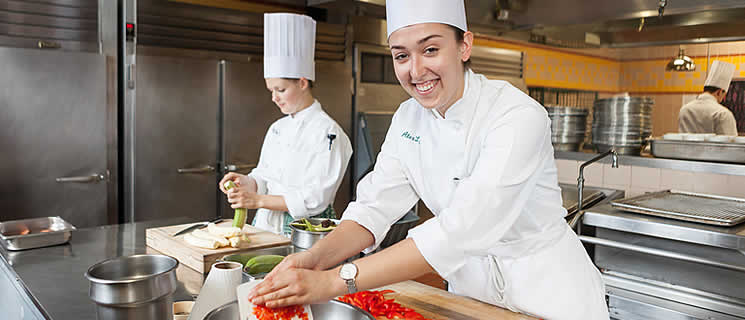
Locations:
{"points": [[240, 180]]}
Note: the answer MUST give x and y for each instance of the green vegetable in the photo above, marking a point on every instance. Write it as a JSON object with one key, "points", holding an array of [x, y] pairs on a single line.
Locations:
{"points": [[240, 258], [239, 218], [309, 226], [262, 264]]}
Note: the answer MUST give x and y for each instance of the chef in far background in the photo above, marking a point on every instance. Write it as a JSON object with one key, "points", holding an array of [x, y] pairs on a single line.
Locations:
{"points": [[706, 114], [305, 154]]}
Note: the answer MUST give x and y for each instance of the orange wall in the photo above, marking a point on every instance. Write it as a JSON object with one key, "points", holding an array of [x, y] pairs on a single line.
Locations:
{"points": [[549, 67]]}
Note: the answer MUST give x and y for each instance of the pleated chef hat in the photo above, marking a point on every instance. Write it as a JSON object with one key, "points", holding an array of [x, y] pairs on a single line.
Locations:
{"points": [[289, 46], [720, 74], [403, 13]]}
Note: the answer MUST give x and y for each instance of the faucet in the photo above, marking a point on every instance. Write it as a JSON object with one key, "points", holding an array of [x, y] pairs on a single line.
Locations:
{"points": [[581, 182]]}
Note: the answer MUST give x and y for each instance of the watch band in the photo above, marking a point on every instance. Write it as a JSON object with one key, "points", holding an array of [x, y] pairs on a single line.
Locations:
{"points": [[351, 286]]}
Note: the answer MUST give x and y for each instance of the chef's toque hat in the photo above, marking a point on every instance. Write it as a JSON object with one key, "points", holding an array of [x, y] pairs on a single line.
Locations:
{"points": [[289, 46], [720, 75], [403, 13]]}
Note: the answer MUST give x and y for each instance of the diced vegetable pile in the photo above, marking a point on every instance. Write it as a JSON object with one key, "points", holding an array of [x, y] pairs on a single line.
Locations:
{"points": [[284, 313], [376, 304]]}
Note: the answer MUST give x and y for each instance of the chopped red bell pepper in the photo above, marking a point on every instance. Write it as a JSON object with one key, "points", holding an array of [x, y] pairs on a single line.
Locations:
{"points": [[376, 304]]}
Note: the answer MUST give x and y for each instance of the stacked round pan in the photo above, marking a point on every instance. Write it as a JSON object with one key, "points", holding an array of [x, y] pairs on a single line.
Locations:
{"points": [[623, 123], [567, 127]]}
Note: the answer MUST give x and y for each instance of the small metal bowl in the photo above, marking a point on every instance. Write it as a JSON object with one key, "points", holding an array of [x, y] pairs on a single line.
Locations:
{"points": [[332, 310], [304, 239]]}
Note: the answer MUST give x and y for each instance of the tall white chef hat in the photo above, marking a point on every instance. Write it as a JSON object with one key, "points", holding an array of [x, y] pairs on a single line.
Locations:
{"points": [[289, 46], [403, 13], [720, 75]]}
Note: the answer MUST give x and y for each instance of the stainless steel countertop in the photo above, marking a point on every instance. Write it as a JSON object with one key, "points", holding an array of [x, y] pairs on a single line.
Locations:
{"points": [[54, 275], [605, 216]]}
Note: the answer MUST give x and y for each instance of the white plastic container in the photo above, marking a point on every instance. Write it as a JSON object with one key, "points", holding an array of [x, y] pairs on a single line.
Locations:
{"points": [[725, 139], [674, 136]]}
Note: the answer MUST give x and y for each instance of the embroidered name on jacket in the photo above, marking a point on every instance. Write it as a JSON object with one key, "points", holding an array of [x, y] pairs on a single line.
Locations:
{"points": [[407, 135]]}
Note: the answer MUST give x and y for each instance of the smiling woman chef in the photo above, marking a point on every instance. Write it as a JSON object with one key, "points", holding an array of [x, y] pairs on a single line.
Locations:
{"points": [[478, 153], [305, 154]]}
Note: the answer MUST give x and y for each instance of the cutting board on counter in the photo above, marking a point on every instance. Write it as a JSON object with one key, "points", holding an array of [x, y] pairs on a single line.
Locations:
{"points": [[201, 259]]}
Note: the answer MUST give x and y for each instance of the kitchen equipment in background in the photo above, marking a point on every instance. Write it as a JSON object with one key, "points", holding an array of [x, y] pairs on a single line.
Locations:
{"points": [[699, 150], [332, 310], [219, 288], [35, 233], [574, 222], [623, 123], [57, 135], [681, 63], [201, 259], [182, 309], [567, 127], [133, 287], [687, 206], [197, 226]]}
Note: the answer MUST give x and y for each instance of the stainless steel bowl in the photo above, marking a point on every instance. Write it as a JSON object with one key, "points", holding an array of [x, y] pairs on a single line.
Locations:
{"points": [[303, 239], [332, 310], [134, 287]]}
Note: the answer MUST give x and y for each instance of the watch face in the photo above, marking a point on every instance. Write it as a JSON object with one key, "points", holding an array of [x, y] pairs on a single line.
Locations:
{"points": [[348, 271]]}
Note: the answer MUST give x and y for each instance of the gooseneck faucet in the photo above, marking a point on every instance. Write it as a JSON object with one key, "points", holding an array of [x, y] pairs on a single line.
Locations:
{"points": [[581, 181]]}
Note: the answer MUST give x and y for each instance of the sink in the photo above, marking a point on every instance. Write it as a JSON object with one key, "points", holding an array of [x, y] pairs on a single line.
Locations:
{"points": [[592, 196]]}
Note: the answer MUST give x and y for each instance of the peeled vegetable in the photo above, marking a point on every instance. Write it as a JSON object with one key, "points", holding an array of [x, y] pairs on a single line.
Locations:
{"points": [[199, 242], [262, 264], [209, 236], [239, 218], [239, 241], [225, 232]]}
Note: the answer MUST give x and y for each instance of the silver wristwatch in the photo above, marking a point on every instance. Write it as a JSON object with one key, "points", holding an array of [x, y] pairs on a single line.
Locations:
{"points": [[348, 273]]}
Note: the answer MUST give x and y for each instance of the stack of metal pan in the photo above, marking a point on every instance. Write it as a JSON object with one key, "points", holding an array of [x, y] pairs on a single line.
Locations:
{"points": [[623, 123], [567, 127]]}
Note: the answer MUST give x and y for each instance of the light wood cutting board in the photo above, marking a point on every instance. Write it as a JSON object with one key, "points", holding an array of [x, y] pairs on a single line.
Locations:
{"points": [[201, 259]]}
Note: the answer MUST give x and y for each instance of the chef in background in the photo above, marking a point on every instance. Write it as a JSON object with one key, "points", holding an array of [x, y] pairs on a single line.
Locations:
{"points": [[305, 154], [478, 153], [706, 114]]}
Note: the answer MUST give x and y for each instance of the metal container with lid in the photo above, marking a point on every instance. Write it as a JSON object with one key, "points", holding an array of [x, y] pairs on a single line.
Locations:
{"points": [[623, 123], [568, 126], [133, 287]]}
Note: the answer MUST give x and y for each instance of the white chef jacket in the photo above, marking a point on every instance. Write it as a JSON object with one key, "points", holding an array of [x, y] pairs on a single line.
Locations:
{"points": [[706, 115], [300, 162], [487, 172]]}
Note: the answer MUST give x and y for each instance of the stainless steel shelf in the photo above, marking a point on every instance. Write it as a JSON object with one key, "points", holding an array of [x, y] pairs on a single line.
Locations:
{"points": [[683, 165]]}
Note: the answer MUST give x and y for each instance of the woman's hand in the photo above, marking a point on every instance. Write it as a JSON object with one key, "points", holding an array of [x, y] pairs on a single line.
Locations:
{"points": [[240, 180], [296, 286], [241, 197]]}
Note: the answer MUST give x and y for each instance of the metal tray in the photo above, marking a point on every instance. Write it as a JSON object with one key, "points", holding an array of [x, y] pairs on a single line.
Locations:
{"points": [[699, 150], [35, 233], [687, 206]]}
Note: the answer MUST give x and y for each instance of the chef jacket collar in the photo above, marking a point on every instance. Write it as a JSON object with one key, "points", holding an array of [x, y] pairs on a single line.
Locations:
{"points": [[307, 112], [707, 96], [461, 110]]}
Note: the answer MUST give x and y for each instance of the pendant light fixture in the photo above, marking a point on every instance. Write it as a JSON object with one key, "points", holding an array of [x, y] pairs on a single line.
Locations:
{"points": [[681, 63]]}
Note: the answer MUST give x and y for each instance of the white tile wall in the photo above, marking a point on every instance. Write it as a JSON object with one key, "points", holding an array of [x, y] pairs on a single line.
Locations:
{"points": [[639, 191], [568, 170], [594, 175], [677, 180], [645, 178], [617, 177], [736, 186], [710, 183]]}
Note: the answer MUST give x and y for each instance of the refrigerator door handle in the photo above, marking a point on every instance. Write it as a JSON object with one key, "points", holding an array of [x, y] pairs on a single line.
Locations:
{"points": [[203, 169], [93, 178], [239, 167]]}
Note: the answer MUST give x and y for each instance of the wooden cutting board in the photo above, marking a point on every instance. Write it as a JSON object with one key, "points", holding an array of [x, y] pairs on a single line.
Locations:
{"points": [[435, 303], [201, 259]]}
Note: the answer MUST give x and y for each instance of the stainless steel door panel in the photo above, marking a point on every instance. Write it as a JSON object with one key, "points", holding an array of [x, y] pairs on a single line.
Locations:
{"points": [[248, 111], [53, 125], [175, 128]]}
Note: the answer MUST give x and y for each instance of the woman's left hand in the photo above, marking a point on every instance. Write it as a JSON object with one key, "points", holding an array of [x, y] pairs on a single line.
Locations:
{"points": [[242, 198], [296, 287]]}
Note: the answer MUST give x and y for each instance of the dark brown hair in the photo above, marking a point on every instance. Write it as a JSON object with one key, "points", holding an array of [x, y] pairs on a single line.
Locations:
{"points": [[712, 89], [310, 82]]}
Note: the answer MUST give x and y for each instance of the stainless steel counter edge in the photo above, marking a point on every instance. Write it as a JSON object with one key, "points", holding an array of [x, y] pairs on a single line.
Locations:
{"points": [[605, 216], [674, 164], [5, 264]]}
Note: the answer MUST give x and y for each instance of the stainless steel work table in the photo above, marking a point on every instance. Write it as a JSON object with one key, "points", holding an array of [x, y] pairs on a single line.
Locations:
{"points": [[52, 277]]}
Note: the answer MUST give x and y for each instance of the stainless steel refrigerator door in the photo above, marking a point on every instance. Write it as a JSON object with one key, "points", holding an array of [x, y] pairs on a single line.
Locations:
{"points": [[248, 111], [175, 138], [53, 136]]}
